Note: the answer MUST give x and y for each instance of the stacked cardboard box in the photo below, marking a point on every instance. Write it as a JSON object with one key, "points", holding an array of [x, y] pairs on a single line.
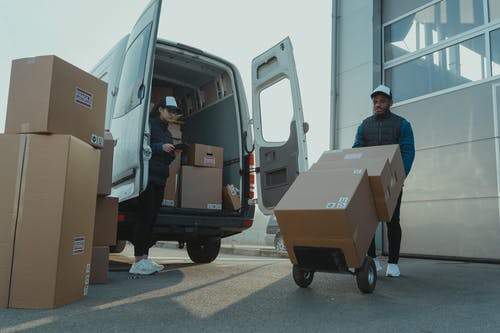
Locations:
{"points": [[171, 195], [106, 216], [201, 178], [51, 181], [338, 202]]}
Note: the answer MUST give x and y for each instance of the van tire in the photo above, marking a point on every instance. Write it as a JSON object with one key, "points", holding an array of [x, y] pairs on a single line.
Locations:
{"points": [[203, 251], [118, 247]]}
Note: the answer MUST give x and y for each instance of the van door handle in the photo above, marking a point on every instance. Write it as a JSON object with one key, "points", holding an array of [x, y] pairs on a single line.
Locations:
{"points": [[114, 92], [140, 92]]}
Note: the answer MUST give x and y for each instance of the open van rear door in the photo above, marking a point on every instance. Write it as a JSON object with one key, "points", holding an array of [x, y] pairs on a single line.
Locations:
{"points": [[129, 123], [280, 132]]}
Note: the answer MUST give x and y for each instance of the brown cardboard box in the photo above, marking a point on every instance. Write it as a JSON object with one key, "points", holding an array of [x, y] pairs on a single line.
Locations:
{"points": [[158, 92], [106, 220], [56, 179], [201, 187], [106, 165], [231, 198], [329, 209], [385, 171], [171, 195], [12, 150], [205, 156], [49, 95], [100, 265]]}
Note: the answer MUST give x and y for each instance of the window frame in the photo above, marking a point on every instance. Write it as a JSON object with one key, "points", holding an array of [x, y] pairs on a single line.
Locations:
{"points": [[485, 29]]}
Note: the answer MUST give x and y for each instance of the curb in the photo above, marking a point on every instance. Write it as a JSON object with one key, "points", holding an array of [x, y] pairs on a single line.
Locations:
{"points": [[236, 250]]}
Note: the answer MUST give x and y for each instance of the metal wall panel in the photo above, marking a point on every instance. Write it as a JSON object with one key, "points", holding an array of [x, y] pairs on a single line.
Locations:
{"points": [[457, 228]]}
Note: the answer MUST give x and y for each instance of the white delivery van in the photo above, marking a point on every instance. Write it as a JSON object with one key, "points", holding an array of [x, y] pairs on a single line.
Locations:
{"points": [[210, 92]]}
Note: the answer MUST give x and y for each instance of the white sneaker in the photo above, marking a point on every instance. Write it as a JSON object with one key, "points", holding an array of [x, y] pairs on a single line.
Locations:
{"points": [[378, 266], [392, 270], [158, 267], [142, 267]]}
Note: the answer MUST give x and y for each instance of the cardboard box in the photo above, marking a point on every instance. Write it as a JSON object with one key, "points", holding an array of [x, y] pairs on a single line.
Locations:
{"points": [[106, 165], [54, 178], [12, 150], [49, 95], [205, 156], [171, 196], [106, 221], [231, 198], [100, 265], [201, 187], [385, 170], [329, 209], [158, 92], [172, 187]]}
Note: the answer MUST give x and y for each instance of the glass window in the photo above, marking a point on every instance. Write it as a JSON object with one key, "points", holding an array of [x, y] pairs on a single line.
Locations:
{"points": [[494, 10], [495, 52], [130, 93], [431, 25], [458, 64], [276, 111]]}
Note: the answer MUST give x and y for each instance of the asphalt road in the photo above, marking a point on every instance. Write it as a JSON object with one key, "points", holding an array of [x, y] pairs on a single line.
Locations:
{"points": [[258, 294]]}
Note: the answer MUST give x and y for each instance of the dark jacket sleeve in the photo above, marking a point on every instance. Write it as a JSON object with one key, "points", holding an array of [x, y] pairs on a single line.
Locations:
{"points": [[358, 141], [407, 145]]}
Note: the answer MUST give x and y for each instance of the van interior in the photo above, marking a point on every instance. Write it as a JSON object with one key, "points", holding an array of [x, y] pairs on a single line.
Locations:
{"points": [[204, 88]]}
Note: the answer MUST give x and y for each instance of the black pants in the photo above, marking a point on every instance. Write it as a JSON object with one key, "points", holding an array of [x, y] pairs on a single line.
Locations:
{"points": [[393, 234], [149, 206]]}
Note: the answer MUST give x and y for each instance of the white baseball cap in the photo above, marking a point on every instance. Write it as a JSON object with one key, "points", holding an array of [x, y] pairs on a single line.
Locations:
{"points": [[384, 90], [171, 104]]}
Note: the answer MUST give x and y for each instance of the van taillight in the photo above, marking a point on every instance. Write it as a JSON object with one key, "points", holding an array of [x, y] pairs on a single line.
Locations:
{"points": [[251, 161], [247, 223], [121, 217]]}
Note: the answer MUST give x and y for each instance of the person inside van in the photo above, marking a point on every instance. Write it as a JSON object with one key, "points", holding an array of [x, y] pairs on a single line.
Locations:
{"points": [[149, 201]]}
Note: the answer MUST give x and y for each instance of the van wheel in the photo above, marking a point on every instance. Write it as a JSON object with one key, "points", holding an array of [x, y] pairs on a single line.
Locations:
{"points": [[202, 251], [118, 247]]}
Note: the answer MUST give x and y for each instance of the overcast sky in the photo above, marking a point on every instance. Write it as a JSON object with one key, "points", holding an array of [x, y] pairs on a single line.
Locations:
{"points": [[82, 31]]}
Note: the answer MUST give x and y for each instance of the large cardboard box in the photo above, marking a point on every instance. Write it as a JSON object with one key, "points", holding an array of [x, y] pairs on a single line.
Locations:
{"points": [[54, 185], [100, 265], [49, 95], [331, 209], [172, 186], [106, 165], [106, 221], [201, 187], [205, 156], [12, 151], [385, 170], [171, 195]]}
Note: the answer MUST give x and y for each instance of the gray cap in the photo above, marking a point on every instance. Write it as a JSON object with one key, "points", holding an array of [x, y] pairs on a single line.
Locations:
{"points": [[382, 90]]}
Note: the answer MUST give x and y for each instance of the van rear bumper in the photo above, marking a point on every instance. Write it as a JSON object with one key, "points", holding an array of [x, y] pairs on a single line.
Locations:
{"points": [[175, 224]]}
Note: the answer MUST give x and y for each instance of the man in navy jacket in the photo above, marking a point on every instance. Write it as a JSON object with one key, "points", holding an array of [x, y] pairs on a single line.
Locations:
{"points": [[384, 128]]}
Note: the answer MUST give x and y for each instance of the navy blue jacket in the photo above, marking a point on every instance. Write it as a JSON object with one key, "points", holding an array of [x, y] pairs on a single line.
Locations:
{"points": [[402, 136], [160, 160]]}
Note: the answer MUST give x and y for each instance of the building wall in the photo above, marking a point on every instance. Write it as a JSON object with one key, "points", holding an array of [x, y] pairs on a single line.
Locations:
{"points": [[451, 197]]}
